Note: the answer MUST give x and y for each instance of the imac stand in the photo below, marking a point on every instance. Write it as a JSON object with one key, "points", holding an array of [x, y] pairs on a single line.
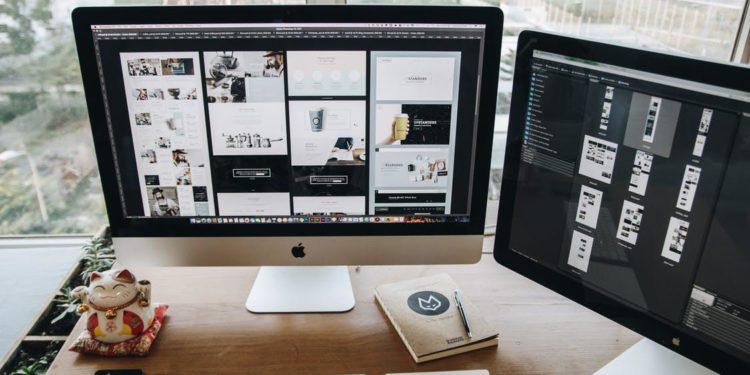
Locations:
{"points": [[647, 357], [301, 289]]}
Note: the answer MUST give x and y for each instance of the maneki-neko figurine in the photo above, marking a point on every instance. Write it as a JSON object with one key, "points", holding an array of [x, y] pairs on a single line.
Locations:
{"points": [[121, 319]]}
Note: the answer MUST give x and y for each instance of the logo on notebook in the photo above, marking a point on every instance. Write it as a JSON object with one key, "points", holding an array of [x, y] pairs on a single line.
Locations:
{"points": [[428, 303]]}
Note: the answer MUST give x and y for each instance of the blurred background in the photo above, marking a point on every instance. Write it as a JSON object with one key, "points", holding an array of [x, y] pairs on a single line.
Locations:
{"points": [[49, 183]]}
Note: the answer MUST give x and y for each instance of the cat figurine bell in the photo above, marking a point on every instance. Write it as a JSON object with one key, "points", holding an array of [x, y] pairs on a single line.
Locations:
{"points": [[118, 305]]}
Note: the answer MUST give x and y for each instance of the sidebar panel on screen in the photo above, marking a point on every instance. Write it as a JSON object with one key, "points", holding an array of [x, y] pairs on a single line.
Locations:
{"points": [[551, 133]]}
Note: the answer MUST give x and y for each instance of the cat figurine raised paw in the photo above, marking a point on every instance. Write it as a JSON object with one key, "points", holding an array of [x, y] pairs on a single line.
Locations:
{"points": [[118, 305]]}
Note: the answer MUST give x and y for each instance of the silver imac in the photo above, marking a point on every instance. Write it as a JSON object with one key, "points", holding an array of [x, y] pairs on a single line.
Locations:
{"points": [[292, 136]]}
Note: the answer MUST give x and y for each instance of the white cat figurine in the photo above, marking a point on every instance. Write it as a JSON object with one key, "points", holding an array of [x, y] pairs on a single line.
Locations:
{"points": [[118, 305]]}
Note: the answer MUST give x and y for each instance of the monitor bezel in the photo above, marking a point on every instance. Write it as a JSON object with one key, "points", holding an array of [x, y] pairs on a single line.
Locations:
{"points": [[710, 72], [84, 18]]}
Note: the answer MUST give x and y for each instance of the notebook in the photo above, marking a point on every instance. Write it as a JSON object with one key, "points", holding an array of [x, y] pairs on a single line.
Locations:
{"points": [[424, 313]]}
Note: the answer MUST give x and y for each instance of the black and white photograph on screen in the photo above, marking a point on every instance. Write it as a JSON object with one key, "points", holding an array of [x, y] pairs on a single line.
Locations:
{"points": [[156, 94], [182, 93], [143, 119], [163, 142], [163, 201], [347, 151], [151, 179], [144, 67], [230, 76], [149, 156], [177, 67], [180, 158], [183, 176], [140, 94]]}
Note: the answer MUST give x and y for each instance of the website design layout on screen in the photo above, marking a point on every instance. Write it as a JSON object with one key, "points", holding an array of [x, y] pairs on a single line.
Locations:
{"points": [[361, 128], [635, 172]]}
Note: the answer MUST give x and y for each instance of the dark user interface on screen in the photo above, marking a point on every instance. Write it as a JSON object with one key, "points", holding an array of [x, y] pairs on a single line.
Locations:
{"points": [[640, 185]]}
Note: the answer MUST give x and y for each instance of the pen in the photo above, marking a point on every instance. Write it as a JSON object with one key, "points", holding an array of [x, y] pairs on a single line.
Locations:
{"points": [[464, 319]]}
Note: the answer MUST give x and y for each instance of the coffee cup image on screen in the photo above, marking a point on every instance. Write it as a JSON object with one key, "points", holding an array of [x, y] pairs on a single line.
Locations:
{"points": [[413, 124], [244, 76], [317, 116], [400, 126], [327, 132], [163, 201], [651, 125]]}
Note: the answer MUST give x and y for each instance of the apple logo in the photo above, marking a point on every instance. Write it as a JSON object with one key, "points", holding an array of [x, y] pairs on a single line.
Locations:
{"points": [[298, 251]]}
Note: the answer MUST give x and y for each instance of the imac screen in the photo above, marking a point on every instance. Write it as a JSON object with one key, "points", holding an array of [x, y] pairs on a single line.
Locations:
{"points": [[292, 123]]}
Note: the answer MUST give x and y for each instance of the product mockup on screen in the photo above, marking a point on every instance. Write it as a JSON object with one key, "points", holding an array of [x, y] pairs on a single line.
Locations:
{"points": [[371, 130]]}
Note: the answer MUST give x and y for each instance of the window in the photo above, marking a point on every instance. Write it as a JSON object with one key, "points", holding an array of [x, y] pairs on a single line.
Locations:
{"points": [[706, 29], [49, 181]]}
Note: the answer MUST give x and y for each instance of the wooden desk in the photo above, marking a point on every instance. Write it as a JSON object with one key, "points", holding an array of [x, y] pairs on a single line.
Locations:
{"points": [[208, 330]]}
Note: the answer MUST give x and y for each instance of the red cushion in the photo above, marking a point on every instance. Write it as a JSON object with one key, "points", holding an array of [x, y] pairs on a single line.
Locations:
{"points": [[137, 346]]}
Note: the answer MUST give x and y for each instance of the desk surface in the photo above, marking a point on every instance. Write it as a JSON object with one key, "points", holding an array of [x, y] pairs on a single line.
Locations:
{"points": [[209, 331]]}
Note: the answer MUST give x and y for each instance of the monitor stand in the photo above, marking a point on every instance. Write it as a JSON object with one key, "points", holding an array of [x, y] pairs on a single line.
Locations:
{"points": [[301, 289], [647, 357]]}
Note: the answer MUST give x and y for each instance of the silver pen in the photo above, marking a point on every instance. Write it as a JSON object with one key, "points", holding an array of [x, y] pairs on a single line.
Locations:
{"points": [[464, 319]]}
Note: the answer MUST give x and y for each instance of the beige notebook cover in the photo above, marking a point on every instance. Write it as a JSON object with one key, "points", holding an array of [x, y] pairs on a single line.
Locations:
{"points": [[424, 313]]}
